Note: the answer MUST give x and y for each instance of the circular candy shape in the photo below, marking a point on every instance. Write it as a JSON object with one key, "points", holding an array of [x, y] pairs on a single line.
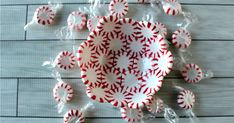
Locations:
{"points": [[139, 98], [97, 40], [156, 106], [161, 28], [128, 28], [181, 38], [163, 63], [97, 92], [111, 78], [152, 82], [123, 62], [76, 20], [92, 22], [65, 60], [186, 99], [118, 8], [109, 25], [130, 80], [131, 115], [116, 44], [135, 48], [146, 31], [143, 65], [84, 54], [63, 92], [156, 46], [44, 15], [90, 75], [192, 73], [172, 7], [102, 59], [74, 115], [118, 96]]}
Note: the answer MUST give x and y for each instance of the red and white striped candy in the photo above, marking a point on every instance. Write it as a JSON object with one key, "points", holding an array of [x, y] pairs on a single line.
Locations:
{"points": [[143, 65], [118, 96], [143, 1], [161, 28], [156, 46], [139, 98], [135, 48], [130, 80], [118, 8], [90, 75], [84, 54], [192, 73], [97, 40], [146, 31], [186, 99], [110, 78], [123, 62], [116, 44], [131, 115], [103, 60], [76, 20], [65, 60], [181, 38], [172, 7], [63, 92], [74, 115], [44, 15], [109, 25], [163, 63], [92, 22], [97, 92], [128, 28], [157, 106], [152, 82]]}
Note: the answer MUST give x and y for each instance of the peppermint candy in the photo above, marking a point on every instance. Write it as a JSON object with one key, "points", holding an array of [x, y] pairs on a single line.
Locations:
{"points": [[192, 73], [118, 8], [172, 7], [97, 92], [181, 38], [63, 92], [186, 99], [76, 20], [131, 115], [92, 22], [157, 106], [65, 60], [74, 115], [45, 15]]}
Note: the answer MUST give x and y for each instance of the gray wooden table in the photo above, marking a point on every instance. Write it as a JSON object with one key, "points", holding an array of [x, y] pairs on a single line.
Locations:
{"points": [[25, 86]]}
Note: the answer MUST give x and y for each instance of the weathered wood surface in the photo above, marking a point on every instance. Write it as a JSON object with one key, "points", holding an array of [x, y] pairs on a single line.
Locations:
{"points": [[25, 89], [209, 26], [13, 2], [26, 57]]}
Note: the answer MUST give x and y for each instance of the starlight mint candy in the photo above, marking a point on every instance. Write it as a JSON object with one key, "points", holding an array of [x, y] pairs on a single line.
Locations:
{"points": [[118, 8], [76, 20], [186, 99], [181, 38], [192, 73], [65, 60], [44, 15], [172, 7]]}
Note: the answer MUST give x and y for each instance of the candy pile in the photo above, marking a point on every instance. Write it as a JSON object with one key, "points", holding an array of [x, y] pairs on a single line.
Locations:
{"points": [[124, 61]]}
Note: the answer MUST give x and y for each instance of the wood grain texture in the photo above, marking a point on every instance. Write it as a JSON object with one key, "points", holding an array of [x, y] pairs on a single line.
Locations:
{"points": [[8, 95], [12, 20], [131, 1], [39, 102], [209, 26], [25, 58], [158, 120]]}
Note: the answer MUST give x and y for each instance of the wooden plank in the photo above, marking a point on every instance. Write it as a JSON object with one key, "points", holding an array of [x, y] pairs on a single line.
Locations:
{"points": [[207, 92], [158, 120], [12, 22], [26, 57], [131, 1], [206, 28], [8, 94]]}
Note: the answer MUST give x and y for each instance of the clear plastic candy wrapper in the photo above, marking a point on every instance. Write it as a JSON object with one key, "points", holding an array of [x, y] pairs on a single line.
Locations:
{"points": [[158, 107], [78, 115], [44, 15], [190, 71], [186, 101]]}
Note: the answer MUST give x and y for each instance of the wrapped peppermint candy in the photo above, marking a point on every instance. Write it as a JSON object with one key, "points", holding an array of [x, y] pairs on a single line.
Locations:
{"points": [[157, 106], [44, 15], [78, 115]]}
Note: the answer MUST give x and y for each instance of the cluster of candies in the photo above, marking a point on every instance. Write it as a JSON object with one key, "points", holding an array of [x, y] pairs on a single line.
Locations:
{"points": [[123, 61]]}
